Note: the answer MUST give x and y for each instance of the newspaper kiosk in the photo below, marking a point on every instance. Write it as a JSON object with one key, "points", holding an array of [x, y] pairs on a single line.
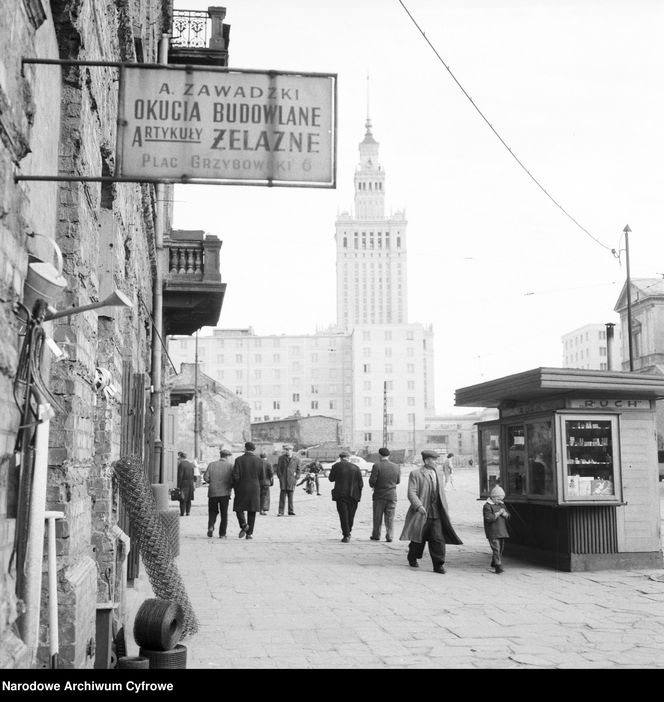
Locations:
{"points": [[576, 453]]}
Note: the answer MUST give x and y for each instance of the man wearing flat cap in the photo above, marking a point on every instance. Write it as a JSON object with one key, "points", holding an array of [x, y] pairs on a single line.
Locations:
{"points": [[427, 520], [288, 472], [384, 478], [347, 492], [219, 477]]}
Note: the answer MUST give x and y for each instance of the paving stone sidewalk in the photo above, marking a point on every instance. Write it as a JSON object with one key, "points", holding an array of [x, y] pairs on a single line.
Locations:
{"points": [[296, 597]]}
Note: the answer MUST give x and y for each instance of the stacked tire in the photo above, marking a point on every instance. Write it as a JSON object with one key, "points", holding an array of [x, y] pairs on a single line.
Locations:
{"points": [[158, 630]]}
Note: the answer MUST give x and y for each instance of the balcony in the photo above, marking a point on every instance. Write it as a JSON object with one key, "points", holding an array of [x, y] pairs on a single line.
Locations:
{"points": [[199, 37], [193, 291]]}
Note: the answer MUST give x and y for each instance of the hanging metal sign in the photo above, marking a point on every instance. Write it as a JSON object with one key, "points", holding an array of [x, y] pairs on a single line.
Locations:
{"points": [[194, 124]]}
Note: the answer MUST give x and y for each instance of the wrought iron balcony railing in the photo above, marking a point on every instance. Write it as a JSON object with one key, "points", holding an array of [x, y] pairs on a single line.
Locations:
{"points": [[200, 29], [191, 28]]}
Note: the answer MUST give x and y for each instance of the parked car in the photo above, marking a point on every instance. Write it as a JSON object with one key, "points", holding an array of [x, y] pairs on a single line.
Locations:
{"points": [[364, 466]]}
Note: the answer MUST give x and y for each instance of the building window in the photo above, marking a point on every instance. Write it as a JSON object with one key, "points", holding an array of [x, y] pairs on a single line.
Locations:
{"points": [[411, 401], [388, 336], [410, 351], [238, 358], [390, 419], [367, 420], [366, 368], [257, 358], [276, 358], [388, 367], [220, 359], [275, 405], [367, 436], [238, 391], [410, 335], [366, 336], [389, 385], [602, 350], [257, 405], [411, 385], [367, 401], [296, 397], [388, 351], [333, 404], [314, 389], [366, 351], [238, 374], [367, 385], [410, 368], [257, 374], [314, 404]]}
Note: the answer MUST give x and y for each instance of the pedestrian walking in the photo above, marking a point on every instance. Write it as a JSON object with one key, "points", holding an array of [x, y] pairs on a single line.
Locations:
{"points": [[448, 471], [219, 477], [347, 492], [186, 481], [427, 520], [288, 471], [384, 478], [495, 517], [266, 484], [247, 478]]}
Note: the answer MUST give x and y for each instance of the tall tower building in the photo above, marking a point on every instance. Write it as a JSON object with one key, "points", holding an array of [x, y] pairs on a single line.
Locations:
{"points": [[371, 250]]}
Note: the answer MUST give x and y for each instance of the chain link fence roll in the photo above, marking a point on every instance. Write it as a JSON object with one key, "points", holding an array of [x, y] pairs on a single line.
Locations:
{"points": [[153, 542], [170, 518]]}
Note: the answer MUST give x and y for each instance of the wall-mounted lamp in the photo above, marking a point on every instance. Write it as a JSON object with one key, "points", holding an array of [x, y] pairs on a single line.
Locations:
{"points": [[115, 299]]}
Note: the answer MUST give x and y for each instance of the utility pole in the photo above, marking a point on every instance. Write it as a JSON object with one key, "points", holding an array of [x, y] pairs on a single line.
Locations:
{"points": [[626, 232], [196, 400], [385, 413]]}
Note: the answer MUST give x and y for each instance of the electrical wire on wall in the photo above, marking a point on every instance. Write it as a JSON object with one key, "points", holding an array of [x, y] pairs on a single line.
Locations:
{"points": [[29, 389]]}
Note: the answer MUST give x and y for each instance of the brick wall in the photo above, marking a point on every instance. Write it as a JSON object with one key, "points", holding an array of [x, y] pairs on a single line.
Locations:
{"points": [[106, 236]]}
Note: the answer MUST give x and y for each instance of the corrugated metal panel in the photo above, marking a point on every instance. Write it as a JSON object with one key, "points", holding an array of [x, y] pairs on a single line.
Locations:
{"points": [[592, 530]]}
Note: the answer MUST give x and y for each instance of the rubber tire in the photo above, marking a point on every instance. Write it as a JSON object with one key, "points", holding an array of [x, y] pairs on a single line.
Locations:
{"points": [[133, 662], [175, 658], [158, 624]]}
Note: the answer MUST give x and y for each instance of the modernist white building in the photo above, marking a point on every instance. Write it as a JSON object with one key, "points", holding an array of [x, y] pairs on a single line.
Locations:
{"points": [[373, 370], [587, 347]]}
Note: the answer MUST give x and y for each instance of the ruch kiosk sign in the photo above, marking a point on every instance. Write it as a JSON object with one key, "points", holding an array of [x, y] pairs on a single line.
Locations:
{"points": [[255, 127]]}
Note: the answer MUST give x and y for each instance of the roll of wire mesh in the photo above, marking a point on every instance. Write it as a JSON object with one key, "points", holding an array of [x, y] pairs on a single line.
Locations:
{"points": [[133, 662], [170, 518], [153, 543], [175, 658], [158, 624]]}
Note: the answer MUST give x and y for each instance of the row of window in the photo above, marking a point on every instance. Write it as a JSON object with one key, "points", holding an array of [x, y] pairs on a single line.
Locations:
{"points": [[581, 338]]}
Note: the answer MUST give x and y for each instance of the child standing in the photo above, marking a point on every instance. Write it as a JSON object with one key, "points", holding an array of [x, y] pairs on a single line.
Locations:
{"points": [[495, 526]]}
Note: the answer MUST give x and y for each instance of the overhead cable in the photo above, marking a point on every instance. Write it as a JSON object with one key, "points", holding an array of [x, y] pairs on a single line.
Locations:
{"points": [[502, 141]]}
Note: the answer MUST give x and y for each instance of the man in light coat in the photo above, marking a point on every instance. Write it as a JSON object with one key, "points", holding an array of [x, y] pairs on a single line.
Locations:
{"points": [[288, 472], [347, 492], [219, 477], [384, 478], [427, 520], [247, 478]]}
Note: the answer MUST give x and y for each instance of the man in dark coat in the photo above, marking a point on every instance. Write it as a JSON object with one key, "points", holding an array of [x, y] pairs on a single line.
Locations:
{"points": [[219, 477], [347, 492], [266, 484], [288, 471], [186, 481], [427, 520], [384, 478], [247, 478]]}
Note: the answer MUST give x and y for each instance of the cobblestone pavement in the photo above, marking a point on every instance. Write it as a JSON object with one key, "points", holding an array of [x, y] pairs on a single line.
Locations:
{"points": [[296, 597]]}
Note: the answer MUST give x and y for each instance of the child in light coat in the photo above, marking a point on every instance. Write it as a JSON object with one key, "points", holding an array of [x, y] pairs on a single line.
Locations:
{"points": [[495, 526]]}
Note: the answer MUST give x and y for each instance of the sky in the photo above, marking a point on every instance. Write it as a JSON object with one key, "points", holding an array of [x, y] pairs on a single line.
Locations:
{"points": [[495, 265]]}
